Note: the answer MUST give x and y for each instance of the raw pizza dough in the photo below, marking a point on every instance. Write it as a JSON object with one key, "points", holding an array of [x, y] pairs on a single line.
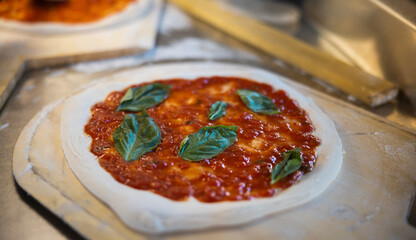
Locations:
{"points": [[132, 11], [149, 212]]}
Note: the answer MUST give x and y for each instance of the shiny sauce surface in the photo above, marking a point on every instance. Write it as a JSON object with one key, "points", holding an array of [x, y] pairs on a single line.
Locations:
{"points": [[68, 11], [241, 172]]}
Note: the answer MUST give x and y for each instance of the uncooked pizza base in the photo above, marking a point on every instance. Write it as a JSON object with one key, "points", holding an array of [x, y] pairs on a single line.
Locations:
{"points": [[149, 212], [129, 13]]}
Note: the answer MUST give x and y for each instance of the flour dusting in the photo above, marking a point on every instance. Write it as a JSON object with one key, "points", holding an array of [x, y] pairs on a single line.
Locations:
{"points": [[4, 126], [343, 212], [30, 85], [174, 20], [109, 64], [199, 48], [36, 99], [187, 48], [27, 169], [57, 73]]}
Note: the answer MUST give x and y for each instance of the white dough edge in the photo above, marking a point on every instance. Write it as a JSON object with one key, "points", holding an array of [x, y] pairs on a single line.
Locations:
{"points": [[151, 213], [133, 10]]}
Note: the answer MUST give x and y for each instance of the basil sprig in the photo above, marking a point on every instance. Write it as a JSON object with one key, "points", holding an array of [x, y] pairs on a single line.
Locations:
{"points": [[290, 163], [208, 142], [137, 135], [141, 98], [257, 102], [217, 110]]}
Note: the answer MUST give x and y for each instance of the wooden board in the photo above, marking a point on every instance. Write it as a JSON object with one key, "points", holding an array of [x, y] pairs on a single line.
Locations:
{"points": [[368, 200]]}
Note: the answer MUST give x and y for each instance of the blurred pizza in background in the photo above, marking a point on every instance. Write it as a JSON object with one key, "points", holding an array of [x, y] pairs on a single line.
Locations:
{"points": [[62, 11]]}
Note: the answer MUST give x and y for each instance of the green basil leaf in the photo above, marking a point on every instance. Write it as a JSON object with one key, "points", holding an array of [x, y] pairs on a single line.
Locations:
{"points": [[141, 98], [136, 135], [208, 142], [257, 102], [217, 110], [290, 163]]}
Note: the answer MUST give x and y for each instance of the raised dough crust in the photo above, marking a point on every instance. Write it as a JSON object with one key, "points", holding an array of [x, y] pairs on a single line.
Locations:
{"points": [[131, 12], [148, 212]]}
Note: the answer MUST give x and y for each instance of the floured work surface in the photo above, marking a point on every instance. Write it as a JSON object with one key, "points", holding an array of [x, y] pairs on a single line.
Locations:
{"points": [[39, 45], [369, 198]]}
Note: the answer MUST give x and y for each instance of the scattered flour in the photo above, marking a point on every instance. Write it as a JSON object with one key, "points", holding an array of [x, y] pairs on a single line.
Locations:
{"points": [[36, 99], [4, 126], [280, 62], [352, 98], [187, 48], [26, 170], [174, 20], [28, 86], [364, 219], [57, 73], [108, 64], [199, 48], [343, 212]]}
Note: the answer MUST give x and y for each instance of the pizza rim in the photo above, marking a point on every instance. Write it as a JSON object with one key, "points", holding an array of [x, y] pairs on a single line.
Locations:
{"points": [[165, 217]]}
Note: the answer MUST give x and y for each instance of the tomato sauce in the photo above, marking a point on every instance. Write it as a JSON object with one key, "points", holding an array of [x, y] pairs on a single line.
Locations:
{"points": [[69, 11], [241, 172]]}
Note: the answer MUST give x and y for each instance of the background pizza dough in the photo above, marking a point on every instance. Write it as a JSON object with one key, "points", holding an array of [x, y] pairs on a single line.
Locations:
{"points": [[131, 12], [148, 212]]}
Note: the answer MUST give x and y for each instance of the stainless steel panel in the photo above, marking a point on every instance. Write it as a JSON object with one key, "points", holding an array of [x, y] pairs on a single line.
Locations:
{"points": [[378, 36]]}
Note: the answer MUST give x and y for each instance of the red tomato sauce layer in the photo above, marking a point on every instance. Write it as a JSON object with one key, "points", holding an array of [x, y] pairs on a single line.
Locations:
{"points": [[241, 172]]}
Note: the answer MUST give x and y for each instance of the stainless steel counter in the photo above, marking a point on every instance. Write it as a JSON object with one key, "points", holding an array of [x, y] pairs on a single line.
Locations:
{"points": [[180, 38]]}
